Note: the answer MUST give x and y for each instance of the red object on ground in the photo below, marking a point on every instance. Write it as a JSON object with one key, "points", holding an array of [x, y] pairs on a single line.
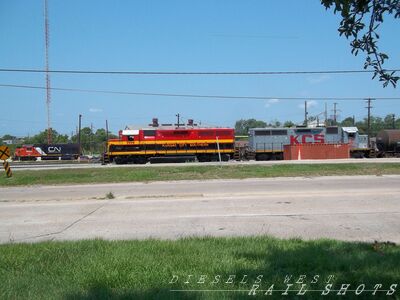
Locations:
{"points": [[316, 151]]}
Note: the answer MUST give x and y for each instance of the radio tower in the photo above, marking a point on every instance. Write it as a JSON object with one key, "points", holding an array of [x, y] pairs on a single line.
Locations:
{"points": [[48, 92]]}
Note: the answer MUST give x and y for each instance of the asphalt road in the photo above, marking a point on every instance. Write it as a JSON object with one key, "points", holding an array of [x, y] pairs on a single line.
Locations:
{"points": [[358, 208]]}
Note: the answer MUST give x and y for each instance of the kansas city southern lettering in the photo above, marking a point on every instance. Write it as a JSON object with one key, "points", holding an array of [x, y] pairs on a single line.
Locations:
{"points": [[169, 145], [307, 138]]}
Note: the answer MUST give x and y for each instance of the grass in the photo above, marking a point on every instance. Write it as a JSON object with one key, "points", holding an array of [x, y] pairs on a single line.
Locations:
{"points": [[110, 195], [140, 174], [99, 269]]}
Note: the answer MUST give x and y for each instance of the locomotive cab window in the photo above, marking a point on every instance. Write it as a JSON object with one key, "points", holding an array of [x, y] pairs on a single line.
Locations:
{"points": [[131, 138]]}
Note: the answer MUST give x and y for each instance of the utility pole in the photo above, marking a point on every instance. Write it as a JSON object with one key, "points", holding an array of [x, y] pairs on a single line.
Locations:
{"points": [[305, 114], [178, 115], [106, 130], [369, 121], [79, 134], [393, 121], [91, 138], [326, 114], [334, 113], [354, 120]]}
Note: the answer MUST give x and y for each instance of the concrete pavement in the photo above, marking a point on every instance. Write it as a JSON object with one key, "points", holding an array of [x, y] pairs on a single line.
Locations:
{"points": [[360, 208]]}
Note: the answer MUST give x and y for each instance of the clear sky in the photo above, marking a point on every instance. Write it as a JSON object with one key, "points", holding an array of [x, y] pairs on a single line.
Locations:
{"points": [[207, 35]]}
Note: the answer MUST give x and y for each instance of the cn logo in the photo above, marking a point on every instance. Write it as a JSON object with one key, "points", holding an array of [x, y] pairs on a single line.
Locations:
{"points": [[307, 139], [54, 149]]}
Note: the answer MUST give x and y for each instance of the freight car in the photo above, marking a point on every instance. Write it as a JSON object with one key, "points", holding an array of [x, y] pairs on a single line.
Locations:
{"points": [[170, 143], [388, 143], [268, 143], [47, 152]]}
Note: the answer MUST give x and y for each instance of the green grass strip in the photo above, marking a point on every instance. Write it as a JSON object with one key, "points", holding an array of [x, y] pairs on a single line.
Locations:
{"points": [[99, 269], [145, 174]]}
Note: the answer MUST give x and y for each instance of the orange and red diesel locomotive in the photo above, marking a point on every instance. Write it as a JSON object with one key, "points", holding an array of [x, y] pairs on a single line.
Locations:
{"points": [[171, 143]]}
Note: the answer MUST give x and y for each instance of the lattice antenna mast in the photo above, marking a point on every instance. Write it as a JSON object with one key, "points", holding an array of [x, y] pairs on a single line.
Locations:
{"points": [[48, 90]]}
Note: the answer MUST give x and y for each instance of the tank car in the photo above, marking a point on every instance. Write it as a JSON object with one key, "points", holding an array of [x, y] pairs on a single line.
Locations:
{"points": [[388, 142]]}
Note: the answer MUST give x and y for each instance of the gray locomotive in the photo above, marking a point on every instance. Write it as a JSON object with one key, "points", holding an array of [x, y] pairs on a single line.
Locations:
{"points": [[268, 143]]}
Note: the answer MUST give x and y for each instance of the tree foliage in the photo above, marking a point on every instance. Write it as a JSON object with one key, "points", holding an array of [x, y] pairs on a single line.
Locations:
{"points": [[377, 124], [41, 138], [289, 124], [360, 22], [92, 142], [242, 126]]}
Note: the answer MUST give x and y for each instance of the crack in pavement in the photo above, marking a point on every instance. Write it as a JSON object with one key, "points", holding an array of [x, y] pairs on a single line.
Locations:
{"points": [[65, 228]]}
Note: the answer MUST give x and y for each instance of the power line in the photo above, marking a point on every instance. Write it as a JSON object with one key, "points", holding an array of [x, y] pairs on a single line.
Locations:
{"points": [[192, 73], [190, 95]]}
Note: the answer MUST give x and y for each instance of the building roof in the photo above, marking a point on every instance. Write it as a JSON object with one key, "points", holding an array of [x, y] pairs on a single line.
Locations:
{"points": [[350, 129]]}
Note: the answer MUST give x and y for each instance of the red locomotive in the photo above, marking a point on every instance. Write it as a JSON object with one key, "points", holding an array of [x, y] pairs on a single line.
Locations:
{"points": [[171, 143]]}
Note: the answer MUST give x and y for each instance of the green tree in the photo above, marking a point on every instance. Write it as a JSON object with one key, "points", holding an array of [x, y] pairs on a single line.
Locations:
{"points": [[348, 122], [276, 123], [289, 124], [389, 121], [93, 142], [41, 138], [360, 22], [8, 137], [377, 124], [242, 126]]}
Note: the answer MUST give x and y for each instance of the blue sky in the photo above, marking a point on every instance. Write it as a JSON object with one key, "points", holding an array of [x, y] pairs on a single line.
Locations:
{"points": [[181, 36]]}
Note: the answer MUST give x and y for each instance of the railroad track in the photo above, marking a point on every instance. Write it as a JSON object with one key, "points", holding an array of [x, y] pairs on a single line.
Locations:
{"points": [[48, 164]]}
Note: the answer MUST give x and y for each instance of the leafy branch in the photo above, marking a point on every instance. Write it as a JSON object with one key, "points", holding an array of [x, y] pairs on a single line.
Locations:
{"points": [[360, 22]]}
